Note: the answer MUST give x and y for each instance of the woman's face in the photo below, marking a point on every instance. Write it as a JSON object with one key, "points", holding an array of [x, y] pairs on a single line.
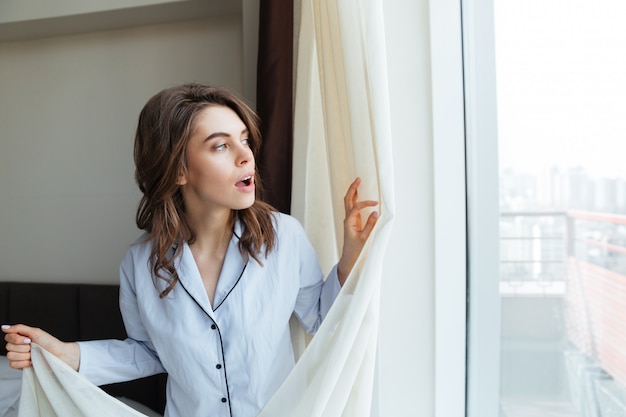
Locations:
{"points": [[220, 163]]}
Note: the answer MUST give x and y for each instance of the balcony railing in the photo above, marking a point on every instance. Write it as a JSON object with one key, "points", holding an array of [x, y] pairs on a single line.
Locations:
{"points": [[579, 257], [533, 253], [535, 248]]}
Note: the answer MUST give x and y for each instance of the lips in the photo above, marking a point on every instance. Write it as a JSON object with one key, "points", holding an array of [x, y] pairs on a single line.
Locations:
{"points": [[246, 183]]}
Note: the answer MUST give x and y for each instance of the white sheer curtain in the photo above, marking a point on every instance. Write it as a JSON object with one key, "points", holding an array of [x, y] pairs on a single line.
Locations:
{"points": [[51, 388], [341, 130]]}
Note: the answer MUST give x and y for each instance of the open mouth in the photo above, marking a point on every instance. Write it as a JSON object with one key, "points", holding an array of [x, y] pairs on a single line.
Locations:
{"points": [[247, 181]]}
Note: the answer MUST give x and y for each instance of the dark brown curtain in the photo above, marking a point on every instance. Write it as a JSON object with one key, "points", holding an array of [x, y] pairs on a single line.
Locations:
{"points": [[274, 100]]}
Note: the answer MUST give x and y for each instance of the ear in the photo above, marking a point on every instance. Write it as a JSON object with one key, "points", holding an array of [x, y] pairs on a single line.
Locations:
{"points": [[182, 179]]}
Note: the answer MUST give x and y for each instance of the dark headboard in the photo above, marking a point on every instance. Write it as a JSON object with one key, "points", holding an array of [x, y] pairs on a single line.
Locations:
{"points": [[77, 312]]}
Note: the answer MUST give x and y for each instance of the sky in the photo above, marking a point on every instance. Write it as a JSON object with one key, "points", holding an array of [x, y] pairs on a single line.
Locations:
{"points": [[561, 82]]}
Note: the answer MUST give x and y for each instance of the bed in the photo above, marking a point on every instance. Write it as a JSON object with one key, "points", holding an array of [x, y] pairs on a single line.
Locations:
{"points": [[72, 312]]}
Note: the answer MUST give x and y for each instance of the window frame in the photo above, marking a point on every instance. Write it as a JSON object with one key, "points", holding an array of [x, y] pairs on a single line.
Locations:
{"points": [[449, 199], [484, 310], [465, 169]]}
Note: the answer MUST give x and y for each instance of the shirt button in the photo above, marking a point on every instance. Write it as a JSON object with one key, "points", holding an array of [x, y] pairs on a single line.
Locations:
{"points": [[218, 366], [213, 326], [224, 400]]}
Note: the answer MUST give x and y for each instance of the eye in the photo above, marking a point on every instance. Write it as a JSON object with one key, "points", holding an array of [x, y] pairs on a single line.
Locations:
{"points": [[220, 147], [246, 141]]}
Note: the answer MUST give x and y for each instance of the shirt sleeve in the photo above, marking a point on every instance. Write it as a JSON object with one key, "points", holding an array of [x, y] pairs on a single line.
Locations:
{"points": [[316, 295], [111, 361], [330, 290]]}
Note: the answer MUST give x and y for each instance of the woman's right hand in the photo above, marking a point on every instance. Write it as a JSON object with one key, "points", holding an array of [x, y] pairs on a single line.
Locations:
{"points": [[19, 337]]}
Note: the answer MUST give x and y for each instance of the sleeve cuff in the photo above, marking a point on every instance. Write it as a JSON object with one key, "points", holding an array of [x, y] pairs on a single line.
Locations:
{"points": [[330, 290]]}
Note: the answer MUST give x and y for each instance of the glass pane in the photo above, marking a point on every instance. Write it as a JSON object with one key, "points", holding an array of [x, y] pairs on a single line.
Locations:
{"points": [[561, 81]]}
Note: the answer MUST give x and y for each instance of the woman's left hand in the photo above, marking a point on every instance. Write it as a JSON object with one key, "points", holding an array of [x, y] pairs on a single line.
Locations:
{"points": [[355, 233]]}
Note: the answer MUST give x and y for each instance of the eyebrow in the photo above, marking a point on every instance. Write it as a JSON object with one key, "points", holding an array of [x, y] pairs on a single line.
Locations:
{"points": [[223, 134]]}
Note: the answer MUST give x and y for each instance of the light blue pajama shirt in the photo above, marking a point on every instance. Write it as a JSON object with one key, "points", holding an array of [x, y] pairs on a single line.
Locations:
{"points": [[222, 361]]}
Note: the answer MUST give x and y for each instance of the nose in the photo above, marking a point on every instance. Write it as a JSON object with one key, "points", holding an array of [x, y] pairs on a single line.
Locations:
{"points": [[245, 155]]}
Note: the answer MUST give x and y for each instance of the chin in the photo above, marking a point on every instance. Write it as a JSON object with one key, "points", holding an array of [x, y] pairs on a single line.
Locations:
{"points": [[245, 205]]}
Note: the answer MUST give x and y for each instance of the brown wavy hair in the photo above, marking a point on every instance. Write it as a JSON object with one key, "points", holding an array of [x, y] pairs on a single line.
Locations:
{"points": [[165, 126]]}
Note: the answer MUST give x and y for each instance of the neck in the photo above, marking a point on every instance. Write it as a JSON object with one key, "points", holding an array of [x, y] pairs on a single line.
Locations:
{"points": [[211, 230]]}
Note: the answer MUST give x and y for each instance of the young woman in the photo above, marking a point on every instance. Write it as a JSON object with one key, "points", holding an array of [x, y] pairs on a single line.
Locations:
{"points": [[207, 292]]}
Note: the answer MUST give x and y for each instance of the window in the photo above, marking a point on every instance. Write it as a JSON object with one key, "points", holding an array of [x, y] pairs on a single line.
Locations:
{"points": [[561, 136]]}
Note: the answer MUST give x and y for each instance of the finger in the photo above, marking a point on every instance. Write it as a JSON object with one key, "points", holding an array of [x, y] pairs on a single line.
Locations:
{"points": [[18, 348], [20, 364], [21, 329], [17, 328], [17, 339], [355, 184], [18, 357], [369, 225], [18, 354], [357, 207], [351, 195]]}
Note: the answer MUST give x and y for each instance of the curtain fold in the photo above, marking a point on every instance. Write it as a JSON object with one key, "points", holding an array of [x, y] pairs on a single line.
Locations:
{"points": [[50, 388], [342, 130]]}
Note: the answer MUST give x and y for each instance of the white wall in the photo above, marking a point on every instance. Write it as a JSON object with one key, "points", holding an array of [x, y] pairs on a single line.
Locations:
{"points": [[25, 10], [68, 110], [406, 354]]}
